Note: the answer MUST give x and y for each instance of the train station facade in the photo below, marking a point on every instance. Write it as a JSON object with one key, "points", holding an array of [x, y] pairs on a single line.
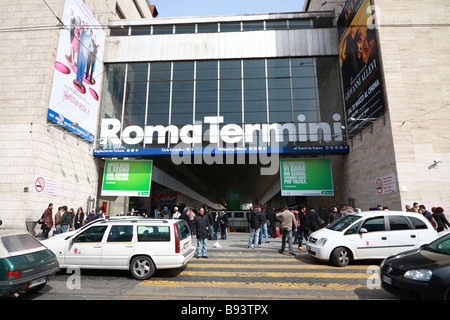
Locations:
{"points": [[278, 109]]}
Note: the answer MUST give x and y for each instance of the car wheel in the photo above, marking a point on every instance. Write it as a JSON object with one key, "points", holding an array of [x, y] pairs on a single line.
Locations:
{"points": [[340, 256], [142, 268]]}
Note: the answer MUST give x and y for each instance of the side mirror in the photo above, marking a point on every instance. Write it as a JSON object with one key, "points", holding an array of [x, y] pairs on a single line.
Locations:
{"points": [[363, 230]]}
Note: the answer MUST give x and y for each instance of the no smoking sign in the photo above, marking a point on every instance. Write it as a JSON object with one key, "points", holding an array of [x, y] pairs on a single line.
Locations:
{"points": [[47, 186], [39, 184]]}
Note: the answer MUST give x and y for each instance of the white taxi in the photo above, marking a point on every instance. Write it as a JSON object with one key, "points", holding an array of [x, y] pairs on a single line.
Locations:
{"points": [[370, 235], [138, 245]]}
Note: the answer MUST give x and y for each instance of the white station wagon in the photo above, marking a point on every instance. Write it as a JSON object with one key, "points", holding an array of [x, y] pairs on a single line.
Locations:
{"points": [[370, 235], [138, 245]]}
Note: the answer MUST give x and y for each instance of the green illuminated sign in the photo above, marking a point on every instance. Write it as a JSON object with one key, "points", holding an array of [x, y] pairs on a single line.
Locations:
{"points": [[306, 177], [127, 178]]}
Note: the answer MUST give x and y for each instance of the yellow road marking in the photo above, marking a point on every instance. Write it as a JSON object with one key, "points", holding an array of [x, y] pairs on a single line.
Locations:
{"points": [[272, 266], [274, 274], [230, 296], [248, 285]]}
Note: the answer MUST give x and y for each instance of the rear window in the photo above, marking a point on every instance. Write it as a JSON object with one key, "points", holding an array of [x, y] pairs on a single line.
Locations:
{"points": [[399, 223], [20, 242], [183, 230], [418, 224], [153, 233]]}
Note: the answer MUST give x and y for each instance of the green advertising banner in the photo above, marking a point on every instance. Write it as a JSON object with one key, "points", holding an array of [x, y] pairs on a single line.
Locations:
{"points": [[127, 178], [306, 177]]}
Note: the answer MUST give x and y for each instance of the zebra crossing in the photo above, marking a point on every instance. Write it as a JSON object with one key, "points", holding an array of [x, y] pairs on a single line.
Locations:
{"points": [[262, 275]]}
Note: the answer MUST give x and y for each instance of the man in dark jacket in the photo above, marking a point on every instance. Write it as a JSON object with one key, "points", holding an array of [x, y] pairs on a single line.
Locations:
{"points": [[256, 220], [185, 216], [65, 221], [200, 226], [304, 226], [223, 225], [272, 222]]}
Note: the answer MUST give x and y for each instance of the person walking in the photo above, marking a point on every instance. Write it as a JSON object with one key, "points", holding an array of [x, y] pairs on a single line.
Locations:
{"points": [[211, 224], [66, 221], [185, 216], [440, 219], [217, 219], [315, 222], [271, 217], [288, 224], [176, 214], [58, 216], [304, 226], [223, 225], [428, 215], [200, 232], [334, 215], [263, 229], [78, 221], [255, 219], [47, 222]]}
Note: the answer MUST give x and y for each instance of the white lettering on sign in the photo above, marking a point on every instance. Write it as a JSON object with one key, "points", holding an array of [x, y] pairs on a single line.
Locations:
{"points": [[228, 133]]}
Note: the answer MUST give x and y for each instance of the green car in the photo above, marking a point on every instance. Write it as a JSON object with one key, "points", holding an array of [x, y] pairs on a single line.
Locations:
{"points": [[25, 264]]}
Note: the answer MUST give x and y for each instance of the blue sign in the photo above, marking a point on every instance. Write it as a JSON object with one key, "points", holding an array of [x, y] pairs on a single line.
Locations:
{"points": [[142, 152]]}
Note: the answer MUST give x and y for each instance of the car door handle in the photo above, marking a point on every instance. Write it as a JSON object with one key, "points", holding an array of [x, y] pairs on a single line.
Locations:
{"points": [[129, 245], [98, 246], [413, 236], [383, 238]]}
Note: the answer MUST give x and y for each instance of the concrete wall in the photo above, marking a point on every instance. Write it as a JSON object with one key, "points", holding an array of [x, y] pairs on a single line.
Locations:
{"points": [[414, 55]]}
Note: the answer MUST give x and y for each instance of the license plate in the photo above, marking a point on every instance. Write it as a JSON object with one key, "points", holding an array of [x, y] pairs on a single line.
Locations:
{"points": [[387, 280], [37, 282]]}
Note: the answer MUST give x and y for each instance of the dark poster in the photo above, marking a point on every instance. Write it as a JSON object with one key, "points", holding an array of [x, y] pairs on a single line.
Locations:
{"points": [[360, 65]]}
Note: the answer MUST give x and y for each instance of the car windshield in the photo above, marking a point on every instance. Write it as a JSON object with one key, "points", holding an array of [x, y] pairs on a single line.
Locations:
{"points": [[344, 222], [20, 242], [441, 245]]}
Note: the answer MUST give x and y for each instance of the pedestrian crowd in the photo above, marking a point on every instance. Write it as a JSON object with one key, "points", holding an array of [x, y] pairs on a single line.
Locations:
{"points": [[65, 219], [290, 225], [436, 217]]}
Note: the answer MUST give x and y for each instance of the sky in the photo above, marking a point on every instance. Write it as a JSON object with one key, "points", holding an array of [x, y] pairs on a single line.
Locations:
{"points": [[192, 8]]}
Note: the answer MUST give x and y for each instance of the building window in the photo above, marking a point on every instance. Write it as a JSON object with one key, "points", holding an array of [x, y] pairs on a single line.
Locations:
{"points": [[207, 27], [276, 25], [138, 8], [140, 30], [230, 91], [182, 93], [162, 29], [242, 91], [184, 28], [237, 26], [136, 94], [159, 93], [230, 26], [119, 12], [253, 26]]}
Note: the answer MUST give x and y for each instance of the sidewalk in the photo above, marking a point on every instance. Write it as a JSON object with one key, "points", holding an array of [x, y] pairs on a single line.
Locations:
{"points": [[238, 241]]}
